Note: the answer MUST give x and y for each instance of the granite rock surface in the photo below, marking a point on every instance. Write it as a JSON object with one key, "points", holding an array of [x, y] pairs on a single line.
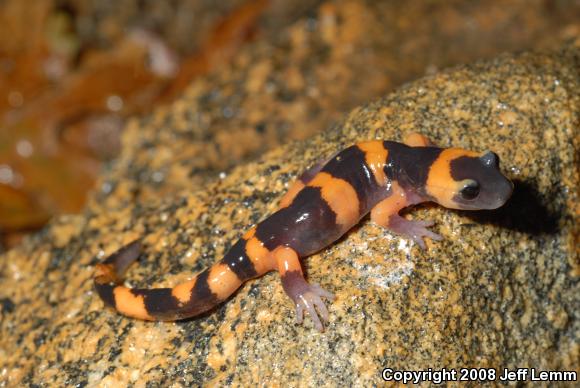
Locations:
{"points": [[501, 290], [296, 81]]}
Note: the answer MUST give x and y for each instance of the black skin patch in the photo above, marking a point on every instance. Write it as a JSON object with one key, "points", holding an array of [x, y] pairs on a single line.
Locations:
{"points": [[307, 223], [409, 166], [239, 262], [469, 167], [350, 165], [158, 301], [294, 284], [106, 292], [122, 258], [161, 304], [202, 298], [310, 173]]}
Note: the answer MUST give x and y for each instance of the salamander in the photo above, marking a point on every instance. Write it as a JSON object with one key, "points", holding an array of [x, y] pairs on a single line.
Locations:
{"points": [[376, 177]]}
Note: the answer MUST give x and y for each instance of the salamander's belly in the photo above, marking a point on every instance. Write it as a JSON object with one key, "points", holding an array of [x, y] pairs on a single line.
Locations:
{"points": [[307, 225]]}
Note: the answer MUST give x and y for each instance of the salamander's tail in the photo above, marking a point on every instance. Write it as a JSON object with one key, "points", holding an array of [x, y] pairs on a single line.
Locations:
{"points": [[204, 291]]}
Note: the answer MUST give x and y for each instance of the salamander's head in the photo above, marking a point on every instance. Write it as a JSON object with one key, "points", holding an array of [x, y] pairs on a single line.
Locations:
{"points": [[460, 179]]}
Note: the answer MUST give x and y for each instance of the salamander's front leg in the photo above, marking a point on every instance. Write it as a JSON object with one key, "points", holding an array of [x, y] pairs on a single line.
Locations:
{"points": [[305, 296], [416, 230], [386, 214]]}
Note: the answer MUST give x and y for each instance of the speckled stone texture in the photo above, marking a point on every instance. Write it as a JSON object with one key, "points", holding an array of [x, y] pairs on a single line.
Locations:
{"points": [[501, 290], [296, 81]]}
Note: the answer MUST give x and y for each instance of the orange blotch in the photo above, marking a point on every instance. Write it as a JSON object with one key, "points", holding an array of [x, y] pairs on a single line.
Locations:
{"points": [[131, 305], [259, 255], [182, 292], [376, 158], [250, 233], [291, 193], [340, 196], [382, 211], [223, 281], [440, 185]]}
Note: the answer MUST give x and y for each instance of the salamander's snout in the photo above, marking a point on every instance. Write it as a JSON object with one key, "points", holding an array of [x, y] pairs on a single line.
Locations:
{"points": [[501, 193], [500, 187]]}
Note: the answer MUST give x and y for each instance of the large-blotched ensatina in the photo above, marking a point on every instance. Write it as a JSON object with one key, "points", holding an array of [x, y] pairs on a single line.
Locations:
{"points": [[380, 177]]}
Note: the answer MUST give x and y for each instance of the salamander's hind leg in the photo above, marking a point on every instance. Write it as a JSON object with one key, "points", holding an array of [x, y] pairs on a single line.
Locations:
{"points": [[306, 297], [417, 140]]}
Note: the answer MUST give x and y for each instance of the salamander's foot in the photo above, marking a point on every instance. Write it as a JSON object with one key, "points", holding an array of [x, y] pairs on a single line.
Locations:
{"points": [[415, 230], [308, 300], [306, 297]]}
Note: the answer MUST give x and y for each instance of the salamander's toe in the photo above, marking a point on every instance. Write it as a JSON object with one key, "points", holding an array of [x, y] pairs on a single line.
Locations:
{"points": [[311, 301], [418, 231], [415, 230]]}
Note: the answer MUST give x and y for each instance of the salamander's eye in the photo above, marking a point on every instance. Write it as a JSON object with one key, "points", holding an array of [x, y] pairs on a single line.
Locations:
{"points": [[470, 190]]}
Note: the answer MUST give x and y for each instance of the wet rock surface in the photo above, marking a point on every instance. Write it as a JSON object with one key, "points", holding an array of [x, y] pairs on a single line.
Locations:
{"points": [[501, 290]]}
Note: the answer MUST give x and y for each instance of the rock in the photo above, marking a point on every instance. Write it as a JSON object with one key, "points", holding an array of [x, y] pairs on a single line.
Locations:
{"points": [[296, 81], [501, 290]]}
